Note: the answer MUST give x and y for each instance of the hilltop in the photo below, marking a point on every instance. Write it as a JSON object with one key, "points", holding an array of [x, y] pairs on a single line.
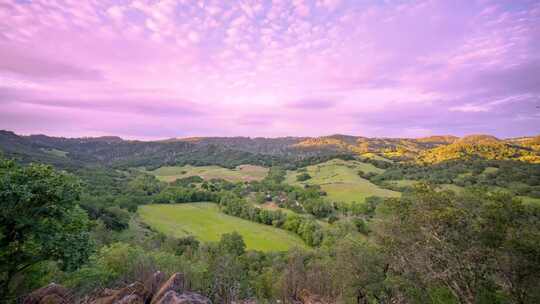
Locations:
{"points": [[233, 151]]}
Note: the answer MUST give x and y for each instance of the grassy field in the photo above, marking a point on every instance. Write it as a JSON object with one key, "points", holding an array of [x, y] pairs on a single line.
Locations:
{"points": [[404, 182], [490, 170], [55, 152], [240, 173], [340, 180], [207, 223], [530, 200]]}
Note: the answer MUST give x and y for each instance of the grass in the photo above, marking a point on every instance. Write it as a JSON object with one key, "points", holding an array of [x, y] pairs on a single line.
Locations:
{"points": [[274, 207], [457, 189], [490, 170], [530, 200], [56, 152], [240, 173], [341, 181], [207, 223], [404, 182]]}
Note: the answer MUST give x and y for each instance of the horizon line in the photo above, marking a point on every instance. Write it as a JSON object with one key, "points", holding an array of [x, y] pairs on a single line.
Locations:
{"points": [[186, 138]]}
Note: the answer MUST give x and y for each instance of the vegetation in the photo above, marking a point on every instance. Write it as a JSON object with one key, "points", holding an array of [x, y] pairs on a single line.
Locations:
{"points": [[479, 246], [341, 182], [240, 173], [437, 220], [206, 223], [479, 147], [40, 221]]}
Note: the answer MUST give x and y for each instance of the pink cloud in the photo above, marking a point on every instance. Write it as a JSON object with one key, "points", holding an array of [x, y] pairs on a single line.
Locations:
{"points": [[270, 67]]}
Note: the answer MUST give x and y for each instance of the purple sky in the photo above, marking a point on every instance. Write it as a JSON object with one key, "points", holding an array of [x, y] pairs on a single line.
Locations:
{"points": [[175, 68]]}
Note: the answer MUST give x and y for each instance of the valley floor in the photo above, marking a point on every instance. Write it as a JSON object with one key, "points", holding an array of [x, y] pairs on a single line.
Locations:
{"points": [[207, 223]]}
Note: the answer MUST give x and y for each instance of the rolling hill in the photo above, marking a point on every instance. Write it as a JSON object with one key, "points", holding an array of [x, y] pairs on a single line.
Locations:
{"points": [[480, 147], [230, 152]]}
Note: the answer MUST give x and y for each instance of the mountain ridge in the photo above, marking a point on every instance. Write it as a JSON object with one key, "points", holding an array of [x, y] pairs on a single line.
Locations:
{"points": [[232, 151]]}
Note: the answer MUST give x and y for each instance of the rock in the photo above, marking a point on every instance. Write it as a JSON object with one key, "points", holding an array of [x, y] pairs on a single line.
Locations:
{"points": [[153, 284], [175, 283], [172, 297], [52, 299], [153, 291], [133, 294], [131, 299], [50, 294]]}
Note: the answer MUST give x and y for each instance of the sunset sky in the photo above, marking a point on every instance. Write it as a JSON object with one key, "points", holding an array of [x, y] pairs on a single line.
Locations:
{"points": [[176, 68]]}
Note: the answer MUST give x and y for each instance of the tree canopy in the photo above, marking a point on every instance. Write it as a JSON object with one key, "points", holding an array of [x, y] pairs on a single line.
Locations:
{"points": [[39, 220]]}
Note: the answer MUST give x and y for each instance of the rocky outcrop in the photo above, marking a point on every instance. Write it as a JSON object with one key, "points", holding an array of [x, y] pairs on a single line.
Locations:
{"points": [[153, 284], [50, 294], [175, 283], [172, 297], [132, 294], [154, 290]]}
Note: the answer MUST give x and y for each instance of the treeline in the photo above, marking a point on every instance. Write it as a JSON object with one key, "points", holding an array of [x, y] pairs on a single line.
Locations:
{"points": [[517, 177], [113, 152]]}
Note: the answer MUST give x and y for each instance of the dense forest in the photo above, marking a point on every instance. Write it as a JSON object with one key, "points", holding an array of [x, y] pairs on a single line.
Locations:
{"points": [[69, 216]]}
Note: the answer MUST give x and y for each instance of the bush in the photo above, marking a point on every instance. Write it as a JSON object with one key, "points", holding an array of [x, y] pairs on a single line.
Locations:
{"points": [[303, 177], [361, 225]]}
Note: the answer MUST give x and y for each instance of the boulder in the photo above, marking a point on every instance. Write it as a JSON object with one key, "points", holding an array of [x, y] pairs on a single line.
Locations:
{"points": [[175, 283], [131, 299], [133, 294], [153, 284], [172, 297], [50, 294]]}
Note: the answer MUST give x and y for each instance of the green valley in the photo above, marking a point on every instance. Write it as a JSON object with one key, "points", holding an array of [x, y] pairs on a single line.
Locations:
{"points": [[341, 181], [207, 223], [239, 173]]}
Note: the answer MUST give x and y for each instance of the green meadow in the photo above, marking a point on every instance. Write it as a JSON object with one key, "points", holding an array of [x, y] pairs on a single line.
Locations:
{"points": [[240, 173], [207, 223], [341, 181]]}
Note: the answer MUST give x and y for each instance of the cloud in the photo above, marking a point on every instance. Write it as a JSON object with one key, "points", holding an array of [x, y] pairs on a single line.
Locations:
{"points": [[312, 104], [323, 66], [19, 62], [469, 108], [329, 4], [194, 37], [116, 12]]}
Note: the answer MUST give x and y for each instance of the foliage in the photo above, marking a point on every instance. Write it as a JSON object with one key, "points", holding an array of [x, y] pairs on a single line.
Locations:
{"points": [[39, 220], [474, 244], [303, 177]]}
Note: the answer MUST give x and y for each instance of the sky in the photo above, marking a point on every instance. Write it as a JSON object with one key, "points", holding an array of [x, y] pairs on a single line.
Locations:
{"points": [[178, 68]]}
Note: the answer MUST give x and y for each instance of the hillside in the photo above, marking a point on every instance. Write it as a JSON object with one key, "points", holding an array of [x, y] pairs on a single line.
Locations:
{"points": [[480, 147], [340, 180], [234, 151]]}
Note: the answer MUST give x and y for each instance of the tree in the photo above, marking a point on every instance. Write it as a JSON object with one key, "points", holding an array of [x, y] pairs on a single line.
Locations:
{"points": [[360, 271], [303, 177], [232, 243], [145, 184], [39, 220], [477, 245]]}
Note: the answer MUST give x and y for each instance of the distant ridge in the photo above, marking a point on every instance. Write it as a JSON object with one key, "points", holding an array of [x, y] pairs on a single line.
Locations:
{"points": [[232, 151], [479, 139]]}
